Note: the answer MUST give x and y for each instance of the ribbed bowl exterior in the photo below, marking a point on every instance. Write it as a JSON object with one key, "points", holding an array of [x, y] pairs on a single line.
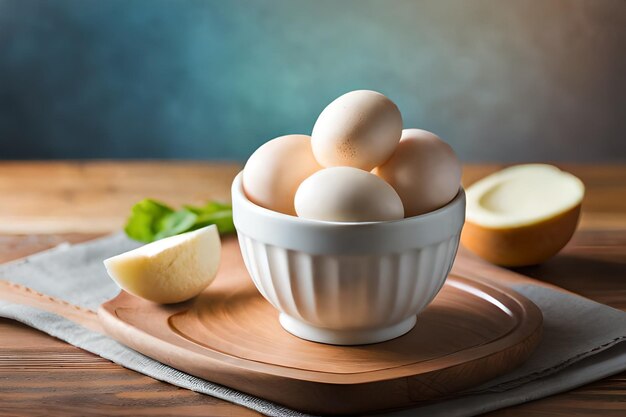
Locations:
{"points": [[348, 291], [347, 283]]}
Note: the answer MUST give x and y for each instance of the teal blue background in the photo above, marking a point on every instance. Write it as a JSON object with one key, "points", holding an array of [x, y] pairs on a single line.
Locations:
{"points": [[511, 81]]}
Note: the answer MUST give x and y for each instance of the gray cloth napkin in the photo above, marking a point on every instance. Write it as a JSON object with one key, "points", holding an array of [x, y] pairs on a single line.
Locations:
{"points": [[581, 338]]}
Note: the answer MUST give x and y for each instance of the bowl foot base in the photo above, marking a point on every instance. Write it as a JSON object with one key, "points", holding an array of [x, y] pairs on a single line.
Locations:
{"points": [[345, 337]]}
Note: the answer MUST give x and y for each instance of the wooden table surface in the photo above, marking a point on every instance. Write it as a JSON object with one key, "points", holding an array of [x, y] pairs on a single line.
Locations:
{"points": [[45, 203]]}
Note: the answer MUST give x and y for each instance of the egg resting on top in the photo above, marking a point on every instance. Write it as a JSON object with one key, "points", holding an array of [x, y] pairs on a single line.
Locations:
{"points": [[360, 129]]}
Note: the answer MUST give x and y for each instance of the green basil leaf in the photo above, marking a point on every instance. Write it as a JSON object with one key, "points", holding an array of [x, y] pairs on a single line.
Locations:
{"points": [[222, 219], [142, 225], [175, 223], [210, 207], [151, 220]]}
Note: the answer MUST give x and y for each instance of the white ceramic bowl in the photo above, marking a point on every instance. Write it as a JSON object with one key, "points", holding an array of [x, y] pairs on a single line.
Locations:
{"points": [[347, 283]]}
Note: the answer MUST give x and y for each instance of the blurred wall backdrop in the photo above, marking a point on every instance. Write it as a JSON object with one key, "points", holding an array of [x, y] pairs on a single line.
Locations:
{"points": [[512, 81]]}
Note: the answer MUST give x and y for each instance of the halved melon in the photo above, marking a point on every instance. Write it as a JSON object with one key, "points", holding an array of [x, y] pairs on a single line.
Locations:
{"points": [[522, 215]]}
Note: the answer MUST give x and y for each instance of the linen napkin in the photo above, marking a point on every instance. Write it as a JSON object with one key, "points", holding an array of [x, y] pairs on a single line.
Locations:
{"points": [[580, 344]]}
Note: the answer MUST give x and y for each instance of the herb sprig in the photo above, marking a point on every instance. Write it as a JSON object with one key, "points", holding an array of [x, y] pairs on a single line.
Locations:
{"points": [[152, 220]]}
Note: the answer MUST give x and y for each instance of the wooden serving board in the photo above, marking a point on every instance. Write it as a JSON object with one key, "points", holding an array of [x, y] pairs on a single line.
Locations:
{"points": [[472, 332]]}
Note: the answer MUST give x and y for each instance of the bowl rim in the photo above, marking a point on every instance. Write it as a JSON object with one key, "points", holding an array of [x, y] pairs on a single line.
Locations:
{"points": [[257, 225], [238, 192]]}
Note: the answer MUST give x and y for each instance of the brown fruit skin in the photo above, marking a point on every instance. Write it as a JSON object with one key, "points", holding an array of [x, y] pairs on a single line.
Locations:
{"points": [[521, 246]]}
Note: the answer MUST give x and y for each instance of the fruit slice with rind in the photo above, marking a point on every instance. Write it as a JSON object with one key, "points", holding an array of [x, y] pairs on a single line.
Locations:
{"points": [[522, 215]]}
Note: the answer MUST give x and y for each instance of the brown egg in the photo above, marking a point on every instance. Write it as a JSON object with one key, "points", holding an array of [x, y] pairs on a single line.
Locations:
{"points": [[360, 129], [274, 172], [424, 171]]}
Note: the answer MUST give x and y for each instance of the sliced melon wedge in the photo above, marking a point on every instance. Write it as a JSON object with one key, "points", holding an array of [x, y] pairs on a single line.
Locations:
{"points": [[169, 270], [522, 215]]}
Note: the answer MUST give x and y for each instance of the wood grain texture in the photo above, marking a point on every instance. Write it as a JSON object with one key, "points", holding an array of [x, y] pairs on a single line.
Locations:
{"points": [[42, 376], [231, 335], [593, 264], [95, 197]]}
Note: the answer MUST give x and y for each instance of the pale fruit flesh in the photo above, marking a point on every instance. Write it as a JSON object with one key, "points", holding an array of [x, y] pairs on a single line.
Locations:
{"points": [[170, 270], [522, 215]]}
